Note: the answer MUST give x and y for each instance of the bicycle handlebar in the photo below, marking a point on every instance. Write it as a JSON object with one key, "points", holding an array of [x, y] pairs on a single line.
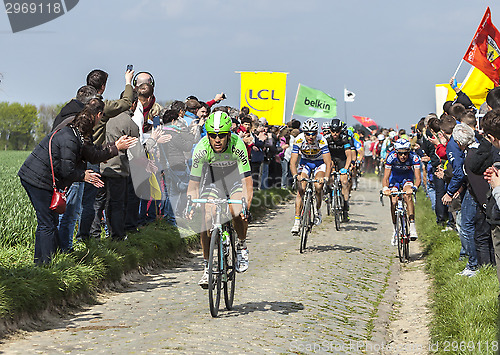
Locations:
{"points": [[297, 178], [307, 180], [393, 193], [217, 201]]}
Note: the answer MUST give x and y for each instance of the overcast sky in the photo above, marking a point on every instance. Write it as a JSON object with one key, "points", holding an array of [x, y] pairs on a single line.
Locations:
{"points": [[389, 53]]}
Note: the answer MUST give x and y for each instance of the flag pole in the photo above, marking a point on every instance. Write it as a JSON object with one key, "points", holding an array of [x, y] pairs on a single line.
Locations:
{"points": [[458, 68], [466, 78], [297, 94], [345, 107]]}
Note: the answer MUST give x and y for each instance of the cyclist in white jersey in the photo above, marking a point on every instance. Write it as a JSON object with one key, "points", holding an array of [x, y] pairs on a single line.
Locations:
{"points": [[315, 161]]}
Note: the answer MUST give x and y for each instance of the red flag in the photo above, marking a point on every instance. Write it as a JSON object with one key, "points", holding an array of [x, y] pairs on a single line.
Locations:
{"points": [[366, 122], [484, 50]]}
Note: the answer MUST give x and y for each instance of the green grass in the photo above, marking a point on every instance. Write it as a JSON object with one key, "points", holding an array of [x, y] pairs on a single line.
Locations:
{"points": [[26, 289], [464, 309], [263, 200]]}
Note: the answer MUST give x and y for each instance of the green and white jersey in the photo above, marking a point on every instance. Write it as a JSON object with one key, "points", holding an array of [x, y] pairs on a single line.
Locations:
{"points": [[234, 157]]}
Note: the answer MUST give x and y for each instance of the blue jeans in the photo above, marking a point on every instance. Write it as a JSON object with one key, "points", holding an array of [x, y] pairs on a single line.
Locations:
{"points": [[284, 173], [170, 205], [431, 193], [458, 223], [88, 211], [440, 209], [46, 234], [265, 176], [482, 239], [468, 215], [67, 221]]}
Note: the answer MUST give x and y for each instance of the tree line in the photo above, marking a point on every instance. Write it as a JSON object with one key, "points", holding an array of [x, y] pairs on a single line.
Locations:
{"points": [[24, 126]]}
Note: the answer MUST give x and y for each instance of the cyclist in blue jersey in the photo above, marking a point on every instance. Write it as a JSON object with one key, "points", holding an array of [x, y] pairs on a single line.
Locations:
{"points": [[315, 161], [402, 172]]}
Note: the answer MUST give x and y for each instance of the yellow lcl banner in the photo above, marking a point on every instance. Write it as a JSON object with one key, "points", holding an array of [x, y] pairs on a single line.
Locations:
{"points": [[264, 93], [476, 87]]}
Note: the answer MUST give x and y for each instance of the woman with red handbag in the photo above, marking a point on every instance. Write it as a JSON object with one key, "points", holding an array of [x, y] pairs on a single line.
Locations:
{"points": [[57, 162]]}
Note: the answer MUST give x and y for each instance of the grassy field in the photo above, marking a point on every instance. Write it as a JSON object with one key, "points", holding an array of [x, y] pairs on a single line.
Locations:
{"points": [[17, 222], [465, 309], [28, 290]]}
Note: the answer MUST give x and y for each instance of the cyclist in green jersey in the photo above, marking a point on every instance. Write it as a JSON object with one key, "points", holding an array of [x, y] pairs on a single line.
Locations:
{"points": [[221, 169]]}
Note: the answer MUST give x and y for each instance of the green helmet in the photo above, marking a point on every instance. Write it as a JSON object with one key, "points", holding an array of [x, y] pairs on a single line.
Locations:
{"points": [[217, 122]]}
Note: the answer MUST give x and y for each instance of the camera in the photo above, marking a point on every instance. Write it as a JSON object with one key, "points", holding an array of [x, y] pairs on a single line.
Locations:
{"points": [[130, 67]]}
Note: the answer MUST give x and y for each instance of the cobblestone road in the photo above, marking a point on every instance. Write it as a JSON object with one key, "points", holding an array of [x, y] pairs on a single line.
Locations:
{"points": [[332, 298]]}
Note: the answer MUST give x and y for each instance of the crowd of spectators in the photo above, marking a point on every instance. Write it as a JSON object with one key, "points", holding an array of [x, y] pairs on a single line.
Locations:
{"points": [[459, 150]]}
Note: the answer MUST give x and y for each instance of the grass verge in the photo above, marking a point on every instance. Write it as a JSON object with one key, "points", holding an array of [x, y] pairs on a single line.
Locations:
{"points": [[27, 290], [465, 310]]}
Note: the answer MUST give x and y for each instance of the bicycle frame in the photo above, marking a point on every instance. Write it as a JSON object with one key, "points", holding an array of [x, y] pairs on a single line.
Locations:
{"points": [[222, 272], [337, 199], [402, 225], [306, 222]]}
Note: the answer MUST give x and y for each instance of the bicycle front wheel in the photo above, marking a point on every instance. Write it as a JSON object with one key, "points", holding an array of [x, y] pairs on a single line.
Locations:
{"points": [[305, 225], [214, 272], [337, 202], [328, 200], [230, 269]]}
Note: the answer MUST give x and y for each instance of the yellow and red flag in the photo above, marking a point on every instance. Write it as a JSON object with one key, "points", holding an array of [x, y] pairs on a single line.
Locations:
{"points": [[366, 122], [484, 50], [476, 86]]}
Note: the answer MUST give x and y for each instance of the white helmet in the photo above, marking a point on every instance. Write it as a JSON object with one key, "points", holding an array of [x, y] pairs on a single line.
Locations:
{"points": [[310, 125], [392, 134], [402, 144], [381, 137], [325, 125]]}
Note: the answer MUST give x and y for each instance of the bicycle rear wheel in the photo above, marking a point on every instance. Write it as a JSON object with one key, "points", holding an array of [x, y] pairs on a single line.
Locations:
{"points": [[341, 204], [406, 240], [305, 225], [399, 236], [230, 269], [214, 272]]}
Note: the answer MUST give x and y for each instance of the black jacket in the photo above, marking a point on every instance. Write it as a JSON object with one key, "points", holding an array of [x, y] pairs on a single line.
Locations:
{"points": [[430, 150], [70, 109], [173, 151], [478, 186], [69, 156], [485, 156]]}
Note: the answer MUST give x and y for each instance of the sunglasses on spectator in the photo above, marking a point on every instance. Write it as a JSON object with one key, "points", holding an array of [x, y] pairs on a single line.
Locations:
{"points": [[311, 133], [220, 135]]}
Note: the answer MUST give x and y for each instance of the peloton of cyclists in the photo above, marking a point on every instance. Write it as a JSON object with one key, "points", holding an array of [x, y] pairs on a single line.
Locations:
{"points": [[314, 161], [341, 152], [402, 172]]}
